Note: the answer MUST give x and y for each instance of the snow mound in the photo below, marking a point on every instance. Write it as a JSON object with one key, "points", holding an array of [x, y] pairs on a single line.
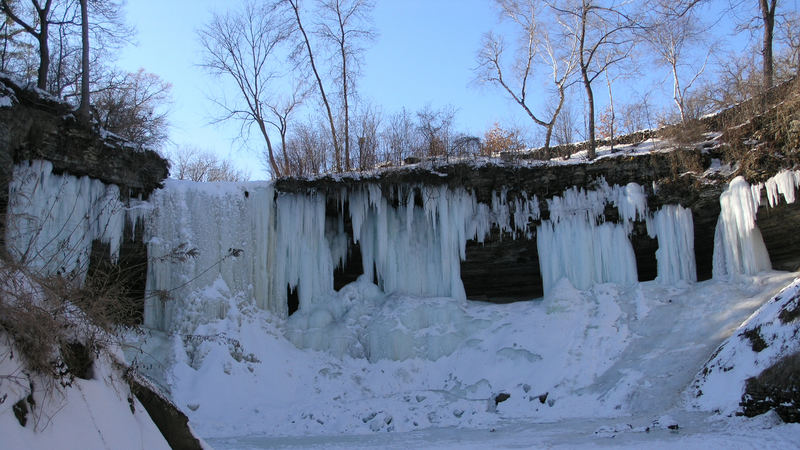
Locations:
{"points": [[767, 336]]}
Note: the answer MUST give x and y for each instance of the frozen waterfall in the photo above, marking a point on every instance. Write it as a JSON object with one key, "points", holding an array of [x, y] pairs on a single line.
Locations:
{"points": [[53, 219], [258, 244]]}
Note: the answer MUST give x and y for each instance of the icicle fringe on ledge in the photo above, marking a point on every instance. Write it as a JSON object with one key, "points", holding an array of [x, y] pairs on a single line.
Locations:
{"points": [[262, 244]]}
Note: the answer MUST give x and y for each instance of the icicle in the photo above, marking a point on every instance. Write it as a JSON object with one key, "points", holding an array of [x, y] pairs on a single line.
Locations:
{"points": [[783, 183], [572, 245], [673, 226], [52, 220], [218, 220], [738, 246]]}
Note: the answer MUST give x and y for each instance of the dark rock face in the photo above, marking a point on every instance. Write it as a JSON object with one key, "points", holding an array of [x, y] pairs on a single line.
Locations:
{"points": [[779, 226], [778, 388], [502, 270], [171, 422], [37, 127]]}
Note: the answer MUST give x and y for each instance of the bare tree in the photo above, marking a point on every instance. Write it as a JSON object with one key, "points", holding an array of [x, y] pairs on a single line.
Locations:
{"points": [[308, 148], [132, 105], [16, 51], [304, 48], [243, 46], [788, 62], [189, 163], [367, 131], [672, 37], [282, 109], [535, 43], [45, 20], [399, 137], [83, 109], [594, 24], [435, 131], [498, 139], [565, 128], [37, 25], [343, 26]]}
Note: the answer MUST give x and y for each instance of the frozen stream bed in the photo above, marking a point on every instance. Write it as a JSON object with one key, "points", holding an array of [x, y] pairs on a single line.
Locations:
{"points": [[365, 369], [696, 431]]}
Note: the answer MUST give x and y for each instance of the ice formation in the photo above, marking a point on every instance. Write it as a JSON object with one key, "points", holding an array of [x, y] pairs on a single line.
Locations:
{"points": [[738, 246], [217, 221], [573, 245], [53, 219], [417, 249], [261, 244], [674, 228], [784, 183]]}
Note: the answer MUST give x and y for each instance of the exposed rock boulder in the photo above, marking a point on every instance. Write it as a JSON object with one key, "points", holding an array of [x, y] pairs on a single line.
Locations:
{"points": [[778, 388]]}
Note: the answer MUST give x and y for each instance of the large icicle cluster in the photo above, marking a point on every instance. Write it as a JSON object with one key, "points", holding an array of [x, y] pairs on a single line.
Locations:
{"points": [[193, 235], [573, 244], [738, 246], [674, 228], [52, 220], [254, 243], [417, 249]]}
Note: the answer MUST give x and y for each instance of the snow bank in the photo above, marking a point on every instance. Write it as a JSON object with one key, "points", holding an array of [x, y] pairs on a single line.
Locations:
{"points": [[721, 383], [55, 409]]}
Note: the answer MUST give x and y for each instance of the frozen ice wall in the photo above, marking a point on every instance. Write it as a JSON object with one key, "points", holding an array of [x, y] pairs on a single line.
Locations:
{"points": [[412, 239], [53, 219], [738, 245], [239, 238], [573, 244], [224, 227], [417, 249]]}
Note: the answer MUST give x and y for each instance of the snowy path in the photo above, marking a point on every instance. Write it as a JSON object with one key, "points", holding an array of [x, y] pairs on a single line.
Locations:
{"points": [[673, 340]]}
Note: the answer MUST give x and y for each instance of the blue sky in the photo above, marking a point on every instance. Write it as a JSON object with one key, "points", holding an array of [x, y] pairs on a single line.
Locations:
{"points": [[424, 54]]}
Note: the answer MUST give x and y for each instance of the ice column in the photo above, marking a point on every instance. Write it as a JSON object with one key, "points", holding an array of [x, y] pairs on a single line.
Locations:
{"points": [[417, 249], [738, 246], [673, 226]]}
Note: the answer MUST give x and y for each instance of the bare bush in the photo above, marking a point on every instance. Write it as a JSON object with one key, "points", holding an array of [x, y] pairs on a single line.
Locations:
{"points": [[196, 165]]}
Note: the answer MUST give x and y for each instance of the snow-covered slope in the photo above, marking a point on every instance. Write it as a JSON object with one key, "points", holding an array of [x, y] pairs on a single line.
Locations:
{"points": [[59, 409], [768, 335], [603, 352], [96, 413]]}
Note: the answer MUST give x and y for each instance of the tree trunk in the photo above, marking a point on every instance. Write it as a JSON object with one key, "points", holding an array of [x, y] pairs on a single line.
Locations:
{"points": [[587, 83], [346, 106], [768, 16], [548, 134], [44, 51], [83, 110], [336, 148], [590, 100]]}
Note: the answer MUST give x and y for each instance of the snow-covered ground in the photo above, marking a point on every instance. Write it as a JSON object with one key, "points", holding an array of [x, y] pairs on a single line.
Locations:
{"points": [[594, 367], [45, 411]]}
